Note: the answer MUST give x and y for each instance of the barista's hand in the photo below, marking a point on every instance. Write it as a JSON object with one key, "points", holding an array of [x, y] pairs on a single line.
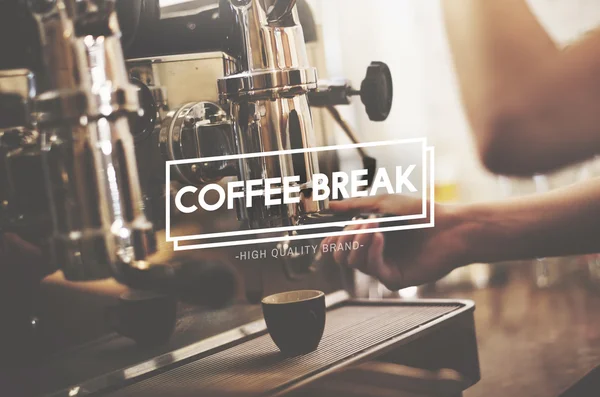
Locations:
{"points": [[404, 258]]}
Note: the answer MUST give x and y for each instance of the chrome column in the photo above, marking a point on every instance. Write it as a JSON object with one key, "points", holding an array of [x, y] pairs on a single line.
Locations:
{"points": [[269, 105], [88, 151]]}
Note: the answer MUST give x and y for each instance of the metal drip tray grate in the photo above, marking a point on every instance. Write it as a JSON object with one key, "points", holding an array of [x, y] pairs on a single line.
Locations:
{"points": [[256, 367]]}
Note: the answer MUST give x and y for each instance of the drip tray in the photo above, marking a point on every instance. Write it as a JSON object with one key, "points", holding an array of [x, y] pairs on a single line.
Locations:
{"points": [[356, 331]]}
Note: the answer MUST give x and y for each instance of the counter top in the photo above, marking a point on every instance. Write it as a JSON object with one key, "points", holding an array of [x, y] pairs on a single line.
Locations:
{"points": [[533, 342]]}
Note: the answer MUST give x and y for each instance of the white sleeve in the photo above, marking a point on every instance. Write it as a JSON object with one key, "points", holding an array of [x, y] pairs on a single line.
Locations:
{"points": [[567, 20]]}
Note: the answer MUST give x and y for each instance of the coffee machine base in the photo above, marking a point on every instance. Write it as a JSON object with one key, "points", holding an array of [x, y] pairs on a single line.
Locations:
{"points": [[417, 346]]}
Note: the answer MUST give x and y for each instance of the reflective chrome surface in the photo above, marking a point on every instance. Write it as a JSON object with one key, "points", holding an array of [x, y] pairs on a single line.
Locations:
{"points": [[191, 123], [87, 148], [184, 78], [269, 105], [271, 45], [85, 153], [266, 110], [194, 131], [269, 84]]}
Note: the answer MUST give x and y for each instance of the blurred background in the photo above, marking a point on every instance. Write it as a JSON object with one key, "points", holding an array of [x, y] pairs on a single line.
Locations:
{"points": [[410, 36], [537, 310]]}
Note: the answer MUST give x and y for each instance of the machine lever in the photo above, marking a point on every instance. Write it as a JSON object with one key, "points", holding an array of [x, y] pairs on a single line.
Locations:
{"points": [[377, 91]]}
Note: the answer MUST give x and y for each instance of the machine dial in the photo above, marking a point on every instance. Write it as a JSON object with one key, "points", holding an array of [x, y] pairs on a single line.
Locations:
{"points": [[377, 91]]}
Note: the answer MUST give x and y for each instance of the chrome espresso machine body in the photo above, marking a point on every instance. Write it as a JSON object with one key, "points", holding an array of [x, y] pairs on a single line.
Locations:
{"points": [[254, 96], [212, 104], [202, 79], [96, 97], [77, 143]]}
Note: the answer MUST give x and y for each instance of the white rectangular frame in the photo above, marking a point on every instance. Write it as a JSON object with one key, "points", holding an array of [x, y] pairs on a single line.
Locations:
{"points": [[428, 154]]}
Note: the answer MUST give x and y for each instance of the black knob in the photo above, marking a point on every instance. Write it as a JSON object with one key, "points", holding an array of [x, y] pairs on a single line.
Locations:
{"points": [[377, 91]]}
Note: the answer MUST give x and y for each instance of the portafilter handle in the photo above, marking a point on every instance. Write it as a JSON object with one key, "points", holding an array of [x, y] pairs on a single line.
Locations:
{"points": [[331, 217]]}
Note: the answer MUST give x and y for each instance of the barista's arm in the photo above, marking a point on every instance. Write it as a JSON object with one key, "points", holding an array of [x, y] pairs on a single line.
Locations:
{"points": [[559, 223], [532, 106]]}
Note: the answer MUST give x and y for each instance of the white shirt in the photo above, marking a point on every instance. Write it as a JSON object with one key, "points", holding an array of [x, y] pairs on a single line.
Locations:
{"points": [[567, 20]]}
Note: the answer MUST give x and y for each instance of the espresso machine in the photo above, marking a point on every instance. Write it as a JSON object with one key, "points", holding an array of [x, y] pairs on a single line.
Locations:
{"points": [[100, 95], [101, 126]]}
